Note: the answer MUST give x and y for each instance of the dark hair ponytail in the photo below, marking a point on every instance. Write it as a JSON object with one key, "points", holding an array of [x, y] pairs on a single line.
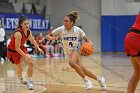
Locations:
{"points": [[21, 20]]}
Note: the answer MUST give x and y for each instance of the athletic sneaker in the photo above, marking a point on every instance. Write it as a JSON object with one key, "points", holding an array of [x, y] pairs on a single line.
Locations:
{"points": [[88, 84], [102, 83], [2, 60], [30, 85], [23, 80]]}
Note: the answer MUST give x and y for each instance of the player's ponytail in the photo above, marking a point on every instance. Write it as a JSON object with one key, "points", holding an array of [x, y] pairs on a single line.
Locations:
{"points": [[73, 16]]}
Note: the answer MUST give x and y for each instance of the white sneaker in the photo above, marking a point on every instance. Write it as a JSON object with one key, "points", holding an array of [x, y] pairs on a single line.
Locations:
{"points": [[30, 85], [102, 83], [23, 80], [2, 60], [88, 84]]}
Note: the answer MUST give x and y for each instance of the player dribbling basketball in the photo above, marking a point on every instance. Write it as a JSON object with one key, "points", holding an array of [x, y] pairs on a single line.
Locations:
{"points": [[70, 35], [86, 49]]}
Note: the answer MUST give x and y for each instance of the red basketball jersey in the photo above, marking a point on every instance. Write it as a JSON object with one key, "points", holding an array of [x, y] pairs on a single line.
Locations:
{"points": [[23, 39]]}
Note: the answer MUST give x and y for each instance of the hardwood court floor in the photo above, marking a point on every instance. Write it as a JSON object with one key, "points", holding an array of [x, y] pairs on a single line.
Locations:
{"points": [[54, 75], [76, 89]]}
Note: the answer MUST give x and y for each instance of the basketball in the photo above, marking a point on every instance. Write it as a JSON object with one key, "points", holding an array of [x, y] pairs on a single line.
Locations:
{"points": [[86, 49]]}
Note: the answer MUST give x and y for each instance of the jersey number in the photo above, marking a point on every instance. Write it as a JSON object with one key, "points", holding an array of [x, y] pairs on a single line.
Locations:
{"points": [[70, 43]]}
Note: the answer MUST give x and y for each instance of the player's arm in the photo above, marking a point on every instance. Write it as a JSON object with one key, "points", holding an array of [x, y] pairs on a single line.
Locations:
{"points": [[84, 36], [18, 37], [50, 36], [40, 41], [87, 40], [53, 35], [32, 40]]}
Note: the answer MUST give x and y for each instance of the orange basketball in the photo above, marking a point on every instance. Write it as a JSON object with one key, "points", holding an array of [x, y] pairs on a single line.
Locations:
{"points": [[86, 49]]}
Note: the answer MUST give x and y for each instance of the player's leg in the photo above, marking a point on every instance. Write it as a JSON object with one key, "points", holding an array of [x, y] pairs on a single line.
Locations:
{"points": [[138, 62], [73, 63], [135, 77], [14, 58], [88, 73], [30, 73], [19, 73]]}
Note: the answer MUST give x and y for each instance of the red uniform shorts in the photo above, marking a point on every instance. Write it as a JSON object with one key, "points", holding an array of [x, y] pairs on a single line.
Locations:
{"points": [[14, 56], [132, 44]]}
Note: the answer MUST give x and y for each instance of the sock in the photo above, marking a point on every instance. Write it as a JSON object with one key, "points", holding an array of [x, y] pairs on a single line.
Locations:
{"points": [[85, 79], [30, 78], [20, 78], [98, 79]]}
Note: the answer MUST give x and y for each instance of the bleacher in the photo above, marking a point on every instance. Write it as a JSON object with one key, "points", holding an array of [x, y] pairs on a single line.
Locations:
{"points": [[6, 7]]}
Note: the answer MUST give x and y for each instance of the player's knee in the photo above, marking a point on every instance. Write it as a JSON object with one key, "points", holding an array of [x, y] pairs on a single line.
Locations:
{"points": [[30, 64], [72, 64], [19, 70], [139, 76], [136, 76]]}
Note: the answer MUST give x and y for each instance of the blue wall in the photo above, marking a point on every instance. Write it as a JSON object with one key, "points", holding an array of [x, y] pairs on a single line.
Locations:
{"points": [[113, 31]]}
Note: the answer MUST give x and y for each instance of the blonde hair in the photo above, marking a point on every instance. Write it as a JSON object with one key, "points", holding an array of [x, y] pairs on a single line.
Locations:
{"points": [[75, 14]]}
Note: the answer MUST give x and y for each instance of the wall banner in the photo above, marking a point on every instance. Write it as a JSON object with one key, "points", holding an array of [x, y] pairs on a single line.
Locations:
{"points": [[37, 23]]}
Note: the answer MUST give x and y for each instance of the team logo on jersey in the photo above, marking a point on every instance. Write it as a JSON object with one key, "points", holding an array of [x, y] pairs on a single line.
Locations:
{"points": [[70, 38]]}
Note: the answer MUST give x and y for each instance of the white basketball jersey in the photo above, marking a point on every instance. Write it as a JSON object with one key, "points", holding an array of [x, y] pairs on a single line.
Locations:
{"points": [[69, 39]]}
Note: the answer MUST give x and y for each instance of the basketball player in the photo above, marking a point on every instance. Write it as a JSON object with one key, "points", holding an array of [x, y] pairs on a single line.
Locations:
{"points": [[132, 48], [16, 50], [70, 35]]}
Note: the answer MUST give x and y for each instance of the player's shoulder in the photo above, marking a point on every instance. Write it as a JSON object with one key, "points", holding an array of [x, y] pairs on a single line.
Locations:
{"points": [[76, 27], [18, 34], [61, 27]]}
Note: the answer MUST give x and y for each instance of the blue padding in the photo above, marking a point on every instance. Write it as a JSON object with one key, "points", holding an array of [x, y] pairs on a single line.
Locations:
{"points": [[113, 31]]}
